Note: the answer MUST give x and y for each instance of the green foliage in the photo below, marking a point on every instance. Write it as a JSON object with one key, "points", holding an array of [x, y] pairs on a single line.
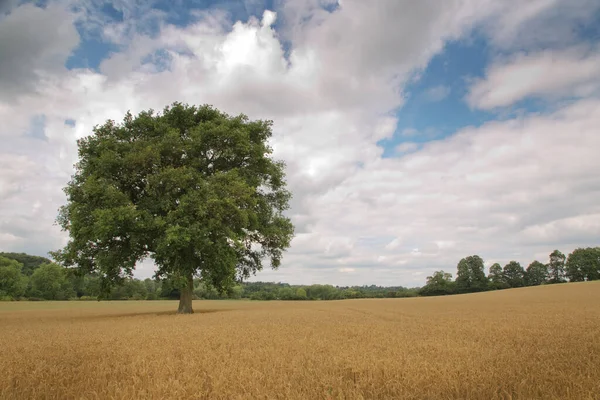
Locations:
{"points": [[536, 274], [301, 294], [496, 278], [470, 275], [322, 292], [556, 267], [152, 288], [203, 290], [284, 291], [439, 284], [30, 263], [12, 282], [50, 282], [514, 274], [236, 292], [192, 188], [583, 264]]}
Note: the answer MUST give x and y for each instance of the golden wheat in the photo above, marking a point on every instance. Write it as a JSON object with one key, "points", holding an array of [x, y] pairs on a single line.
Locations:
{"points": [[530, 343]]}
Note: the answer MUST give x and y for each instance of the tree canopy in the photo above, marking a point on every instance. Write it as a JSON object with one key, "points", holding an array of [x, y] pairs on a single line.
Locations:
{"points": [[514, 274], [12, 282], [470, 275], [536, 274], [30, 263], [556, 267], [583, 264], [192, 188]]}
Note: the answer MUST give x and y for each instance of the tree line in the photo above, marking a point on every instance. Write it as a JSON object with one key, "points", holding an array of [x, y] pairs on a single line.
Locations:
{"points": [[27, 277], [583, 264]]}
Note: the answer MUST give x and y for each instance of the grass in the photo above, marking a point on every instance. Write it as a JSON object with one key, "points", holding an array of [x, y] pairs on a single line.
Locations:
{"points": [[531, 343]]}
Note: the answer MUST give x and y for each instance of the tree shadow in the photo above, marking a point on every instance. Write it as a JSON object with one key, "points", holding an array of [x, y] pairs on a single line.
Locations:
{"points": [[144, 314]]}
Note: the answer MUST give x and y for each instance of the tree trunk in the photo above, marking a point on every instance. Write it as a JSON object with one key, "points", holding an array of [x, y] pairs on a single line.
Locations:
{"points": [[185, 297]]}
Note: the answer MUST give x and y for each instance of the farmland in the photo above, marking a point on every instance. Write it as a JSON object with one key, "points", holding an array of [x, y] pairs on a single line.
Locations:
{"points": [[540, 342]]}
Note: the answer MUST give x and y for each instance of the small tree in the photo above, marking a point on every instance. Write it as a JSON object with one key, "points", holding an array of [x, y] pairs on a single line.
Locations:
{"points": [[556, 267], [50, 282], [300, 294], [496, 277], [583, 264], [536, 274], [12, 282], [30, 263], [514, 274], [438, 284], [470, 276], [192, 188]]}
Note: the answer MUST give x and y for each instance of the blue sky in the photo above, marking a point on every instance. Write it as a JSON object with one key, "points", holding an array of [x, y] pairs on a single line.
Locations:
{"points": [[429, 114], [414, 133]]}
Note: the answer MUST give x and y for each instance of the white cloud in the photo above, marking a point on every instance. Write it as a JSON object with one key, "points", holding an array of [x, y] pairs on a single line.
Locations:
{"points": [[509, 189], [410, 132], [35, 46], [436, 93], [535, 24], [502, 188], [406, 147], [549, 74]]}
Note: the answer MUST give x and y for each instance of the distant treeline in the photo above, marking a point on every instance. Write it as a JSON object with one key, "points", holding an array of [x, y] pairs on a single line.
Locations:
{"points": [[26, 277], [583, 264]]}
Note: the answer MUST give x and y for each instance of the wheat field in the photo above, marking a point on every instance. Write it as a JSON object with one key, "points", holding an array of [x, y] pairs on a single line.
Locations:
{"points": [[531, 343]]}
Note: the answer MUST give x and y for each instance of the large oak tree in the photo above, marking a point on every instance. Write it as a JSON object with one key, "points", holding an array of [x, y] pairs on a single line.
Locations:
{"points": [[192, 188]]}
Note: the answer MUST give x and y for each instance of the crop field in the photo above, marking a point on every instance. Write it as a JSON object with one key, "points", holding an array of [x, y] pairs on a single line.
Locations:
{"points": [[531, 343]]}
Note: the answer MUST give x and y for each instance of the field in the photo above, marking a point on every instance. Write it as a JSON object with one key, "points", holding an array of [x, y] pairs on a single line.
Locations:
{"points": [[541, 342]]}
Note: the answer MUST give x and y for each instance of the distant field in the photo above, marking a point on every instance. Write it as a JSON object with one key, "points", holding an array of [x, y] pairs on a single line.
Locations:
{"points": [[532, 343]]}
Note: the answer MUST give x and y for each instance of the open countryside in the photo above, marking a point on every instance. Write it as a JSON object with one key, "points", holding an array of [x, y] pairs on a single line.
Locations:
{"points": [[299, 199], [541, 342]]}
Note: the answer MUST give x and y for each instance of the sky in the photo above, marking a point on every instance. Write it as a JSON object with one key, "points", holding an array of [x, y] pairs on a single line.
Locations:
{"points": [[415, 133]]}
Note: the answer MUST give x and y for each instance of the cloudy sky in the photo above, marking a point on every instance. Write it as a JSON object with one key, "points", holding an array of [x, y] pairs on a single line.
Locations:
{"points": [[415, 132]]}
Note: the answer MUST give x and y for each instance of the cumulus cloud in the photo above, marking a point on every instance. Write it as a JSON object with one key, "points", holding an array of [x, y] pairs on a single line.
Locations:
{"points": [[534, 24], [7, 5], [406, 147], [549, 74], [506, 187], [436, 93], [35, 45]]}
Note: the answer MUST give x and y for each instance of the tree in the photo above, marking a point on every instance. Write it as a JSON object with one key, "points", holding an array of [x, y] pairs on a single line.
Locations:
{"points": [[471, 276], [300, 294], [91, 286], [193, 188], [151, 289], [205, 291], [583, 264], [322, 292], [556, 267], [50, 282], [514, 274], [12, 282], [286, 293], [496, 277], [30, 263], [236, 292], [536, 274], [438, 284]]}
